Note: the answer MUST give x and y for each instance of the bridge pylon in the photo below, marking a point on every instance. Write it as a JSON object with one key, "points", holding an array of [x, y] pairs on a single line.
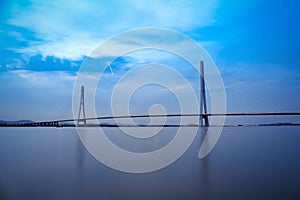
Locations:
{"points": [[203, 120], [81, 107]]}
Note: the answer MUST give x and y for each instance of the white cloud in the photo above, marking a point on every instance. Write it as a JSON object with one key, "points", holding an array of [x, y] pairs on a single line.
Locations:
{"points": [[177, 14], [36, 95], [64, 49], [43, 79], [69, 29]]}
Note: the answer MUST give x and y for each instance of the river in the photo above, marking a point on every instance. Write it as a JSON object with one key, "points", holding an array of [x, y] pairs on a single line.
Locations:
{"points": [[246, 163]]}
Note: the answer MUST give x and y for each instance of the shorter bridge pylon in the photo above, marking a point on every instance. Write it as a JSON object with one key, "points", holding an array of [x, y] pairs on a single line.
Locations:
{"points": [[81, 107]]}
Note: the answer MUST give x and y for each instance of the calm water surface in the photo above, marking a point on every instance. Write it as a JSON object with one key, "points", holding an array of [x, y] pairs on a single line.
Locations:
{"points": [[246, 163]]}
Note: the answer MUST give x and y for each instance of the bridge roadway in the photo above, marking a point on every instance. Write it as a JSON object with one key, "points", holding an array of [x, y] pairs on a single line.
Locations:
{"points": [[68, 122]]}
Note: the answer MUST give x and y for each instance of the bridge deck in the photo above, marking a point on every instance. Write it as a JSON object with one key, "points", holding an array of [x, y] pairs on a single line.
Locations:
{"points": [[61, 123]]}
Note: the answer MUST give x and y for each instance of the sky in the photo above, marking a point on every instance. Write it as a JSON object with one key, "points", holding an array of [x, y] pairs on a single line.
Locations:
{"points": [[254, 43]]}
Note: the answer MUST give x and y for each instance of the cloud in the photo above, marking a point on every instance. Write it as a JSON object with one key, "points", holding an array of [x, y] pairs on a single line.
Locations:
{"points": [[44, 79], [36, 95], [68, 29], [68, 48]]}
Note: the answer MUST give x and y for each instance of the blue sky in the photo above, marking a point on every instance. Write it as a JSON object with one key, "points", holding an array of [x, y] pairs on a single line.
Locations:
{"points": [[254, 43]]}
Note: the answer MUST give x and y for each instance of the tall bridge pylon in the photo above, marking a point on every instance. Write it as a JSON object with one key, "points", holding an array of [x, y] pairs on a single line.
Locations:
{"points": [[81, 107], [203, 120]]}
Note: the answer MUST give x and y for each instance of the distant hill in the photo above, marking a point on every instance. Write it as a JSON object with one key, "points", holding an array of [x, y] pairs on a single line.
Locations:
{"points": [[16, 122]]}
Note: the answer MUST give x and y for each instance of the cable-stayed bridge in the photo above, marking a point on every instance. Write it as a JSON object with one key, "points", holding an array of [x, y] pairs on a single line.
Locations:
{"points": [[203, 115], [74, 122]]}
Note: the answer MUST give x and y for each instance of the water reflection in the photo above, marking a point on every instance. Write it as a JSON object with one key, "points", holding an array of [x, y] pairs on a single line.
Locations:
{"points": [[80, 155], [204, 168], [246, 163]]}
